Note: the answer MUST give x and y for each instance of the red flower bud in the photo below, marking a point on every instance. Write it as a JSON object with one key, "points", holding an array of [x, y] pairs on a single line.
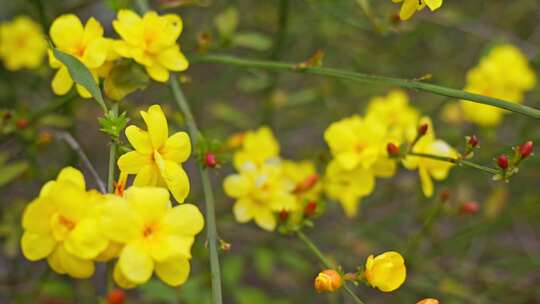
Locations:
{"points": [[210, 160], [116, 296], [526, 149], [310, 208], [470, 207], [22, 123], [473, 141], [445, 195], [392, 149], [307, 183], [7, 115], [283, 215], [422, 129], [502, 161]]}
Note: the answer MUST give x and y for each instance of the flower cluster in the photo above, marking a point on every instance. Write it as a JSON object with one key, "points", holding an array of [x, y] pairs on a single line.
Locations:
{"points": [[23, 44], [73, 227], [149, 40], [359, 149], [409, 7], [503, 73], [267, 187]]}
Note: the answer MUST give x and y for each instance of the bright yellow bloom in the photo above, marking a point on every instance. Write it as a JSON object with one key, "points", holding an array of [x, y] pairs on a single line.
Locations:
{"points": [[260, 193], [257, 147], [394, 110], [504, 73], [304, 175], [61, 225], [156, 236], [85, 43], [328, 280], [22, 44], [387, 271], [430, 168], [151, 42], [355, 141], [157, 157], [410, 7]]}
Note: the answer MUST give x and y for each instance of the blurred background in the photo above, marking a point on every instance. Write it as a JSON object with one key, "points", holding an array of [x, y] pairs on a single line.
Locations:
{"points": [[489, 256]]}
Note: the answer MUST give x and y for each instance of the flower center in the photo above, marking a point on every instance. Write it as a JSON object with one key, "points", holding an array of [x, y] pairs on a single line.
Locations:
{"points": [[360, 147], [69, 224]]}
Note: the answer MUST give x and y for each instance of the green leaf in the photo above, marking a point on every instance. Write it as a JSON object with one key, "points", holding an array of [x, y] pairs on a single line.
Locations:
{"points": [[252, 40], [227, 22], [81, 75], [124, 79], [112, 124], [10, 172]]}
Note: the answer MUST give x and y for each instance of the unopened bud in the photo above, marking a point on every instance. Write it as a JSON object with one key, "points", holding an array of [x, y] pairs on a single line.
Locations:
{"points": [[22, 123], [310, 208], [224, 246], [473, 141], [393, 150], [428, 301], [445, 195], [526, 149], [328, 280], [7, 115], [116, 296], [502, 161], [120, 185], [283, 215], [470, 207], [422, 129], [307, 183], [210, 160]]}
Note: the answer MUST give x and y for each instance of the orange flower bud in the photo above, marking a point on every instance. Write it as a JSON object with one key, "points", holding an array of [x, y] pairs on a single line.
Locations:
{"points": [[428, 301], [526, 149], [422, 129], [116, 296], [328, 280], [310, 208]]}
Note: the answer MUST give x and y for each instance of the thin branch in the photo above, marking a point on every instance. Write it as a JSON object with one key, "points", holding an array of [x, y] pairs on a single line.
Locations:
{"points": [[456, 161]]}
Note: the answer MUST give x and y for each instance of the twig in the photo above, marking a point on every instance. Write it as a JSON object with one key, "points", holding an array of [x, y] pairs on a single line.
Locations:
{"points": [[456, 161]]}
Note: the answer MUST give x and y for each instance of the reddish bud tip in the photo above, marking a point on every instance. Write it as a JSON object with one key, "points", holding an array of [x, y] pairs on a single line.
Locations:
{"points": [[307, 183], [422, 129], [502, 161], [7, 115], [22, 123], [445, 195], [310, 208], [283, 215], [116, 296], [392, 150], [526, 149], [470, 207], [210, 160], [473, 141]]}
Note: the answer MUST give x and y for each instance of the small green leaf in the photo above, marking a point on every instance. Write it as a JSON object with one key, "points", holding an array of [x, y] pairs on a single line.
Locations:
{"points": [[11, 171], [252, 40], [227, 22], [81, 75], [112, 124]]}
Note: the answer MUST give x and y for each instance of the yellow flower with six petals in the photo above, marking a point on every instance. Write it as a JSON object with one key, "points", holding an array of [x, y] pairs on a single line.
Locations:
{"points": [[23, 44]]}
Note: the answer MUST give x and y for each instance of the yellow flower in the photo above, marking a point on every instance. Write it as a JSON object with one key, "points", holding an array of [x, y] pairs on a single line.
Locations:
{"points": [[260, 193], [356, 142], [156, 236], [428, 301], [151, 42], [61, 225], [430, 168], [348, 186], [387, 271], [305, 178], [394, 110], [328, 280], [409, 7], [504, 73], [22, 44], [257, 147], [157, 157], [85, 43]]}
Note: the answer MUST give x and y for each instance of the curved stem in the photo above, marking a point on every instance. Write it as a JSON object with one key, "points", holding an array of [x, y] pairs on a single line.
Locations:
{"points": [[327, 263], [112, 156], [373, 79], [456, 161], [211, 229]]}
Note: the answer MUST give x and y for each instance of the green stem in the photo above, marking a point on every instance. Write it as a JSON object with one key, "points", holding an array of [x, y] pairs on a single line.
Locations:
{"points": [[456, 161], [112, 156], [211, 229], [327, 263], [373, 79]]}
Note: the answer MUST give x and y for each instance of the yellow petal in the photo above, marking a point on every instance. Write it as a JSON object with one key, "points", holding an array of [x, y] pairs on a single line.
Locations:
{"points": [[425, 180], [174, 176], [177, 148], [66, 32], [129, 25], [147, 176], [120, 279], [83, 92], [163, 247], [242, 210], [62, 81], [119, 221], [112, 251], [139, 139], [72, 175], [96, 53], [172, 59], [74, 266], [157, 72], [408, 9], [265, 219], [133, 162], [35, 246], [185, 219], [37, 216], [433, 4], [158, 130], [92, 30], [237, 185], [69, 200], [86, 240], [135, 264], [150, 203], [174, 272], [54, 261]]}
